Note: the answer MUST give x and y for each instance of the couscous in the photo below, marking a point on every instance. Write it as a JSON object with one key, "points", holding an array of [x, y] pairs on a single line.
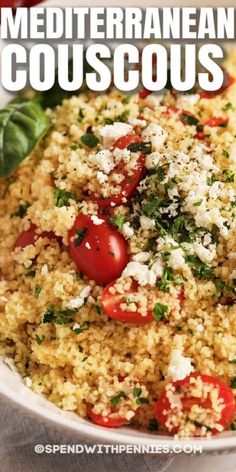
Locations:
{"points": [[118, 260]]}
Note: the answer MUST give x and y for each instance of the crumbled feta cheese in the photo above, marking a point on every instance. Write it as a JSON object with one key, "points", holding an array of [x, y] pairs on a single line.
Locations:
{"points": [[104, 160], [199, 328], [157, 267], [87, 245], [142, 257], [127, 230], [179, 366], [140, 272], [111, 133], [28, 382], [146, 223], [137, 122], [204, 254], [75, 326], [96, 221], [102, 178], [152, 160], [121, 155], [79, 301], [44, 269], [187, 101], [3, 299], [156, 134], [153, 100], [176, 260]]}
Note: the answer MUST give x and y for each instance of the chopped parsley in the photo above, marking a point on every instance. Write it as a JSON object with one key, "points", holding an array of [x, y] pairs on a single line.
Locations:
{"points": [[89, 140], [225, 153], [118, 220], [58, 315], [80, 115], [200, 270], [228, 176], [37, 291], [160, 311], [124, 116], [62, 197], [232, 361], [189, 119], [169, 278], [39, 340], [8, 185], [201, 425], [108, 121], [115, 400], [30, 273], [233, 382], [81, 329], [137, 391], [227, 107], [80, 236], [233, 426], [143, 147], [22, 210], [153, 425]]}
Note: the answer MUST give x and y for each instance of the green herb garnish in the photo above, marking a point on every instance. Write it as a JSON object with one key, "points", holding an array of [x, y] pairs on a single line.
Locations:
{"points": [[189, 119], [37, 291], [160, 311], [62, 197], [39, 340], [58, 315], [80, 236], [22, 210], [89, 140], [144, 148], [118, 220], [115, 400]]}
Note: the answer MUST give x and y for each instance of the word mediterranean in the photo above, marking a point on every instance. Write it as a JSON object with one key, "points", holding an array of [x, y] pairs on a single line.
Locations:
{"points": [[117, 23]]}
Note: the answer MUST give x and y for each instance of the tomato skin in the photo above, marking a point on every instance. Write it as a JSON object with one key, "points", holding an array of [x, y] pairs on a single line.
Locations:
{"points": [[200, 135], [101, 420], [225, 392], [30, 237], [130, 182], [111, 306], [143, 93], [215, 121], [102, 253], [229, 80]]}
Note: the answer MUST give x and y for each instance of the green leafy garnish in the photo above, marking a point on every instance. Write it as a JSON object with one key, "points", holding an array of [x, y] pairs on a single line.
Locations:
{"points": [[200, 270], [62, 197], [81, 329], [137, 391], [144, 148], [80, 236], [227, 107], [233, 382], [124, 116], [228, 176], [153, 425], [89, 140], [37, 291], [39, 340], [225, 153], [58, 315], [201, 425], [23, 123], [169, 278], [118, 221], [22, 210], [160, 311], [115, 400], [189, 119]]}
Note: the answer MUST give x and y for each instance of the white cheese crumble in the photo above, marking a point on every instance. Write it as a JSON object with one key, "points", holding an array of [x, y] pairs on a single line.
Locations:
{"points": [[156, 134], [147, 223], [111, 133], [87, 245], [96, 221], [152, 160], [179, 366], [104, 160], [187, 101], [176, 260], [140, 272], [127, 230], [137, 122], [142, 257], [44, 269], [79, 301], [102, 178]]}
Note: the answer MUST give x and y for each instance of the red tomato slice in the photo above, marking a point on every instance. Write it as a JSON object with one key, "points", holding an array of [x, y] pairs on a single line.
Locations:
{"points": [[200, 135], [215, 121], [99, 251], [143, 93], [106, 421], [227, 415], [229, 80], [30, 237], [130, 182], [111, 306]]}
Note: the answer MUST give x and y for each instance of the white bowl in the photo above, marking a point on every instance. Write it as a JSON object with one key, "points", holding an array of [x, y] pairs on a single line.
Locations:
{"points": [[15, 392]]}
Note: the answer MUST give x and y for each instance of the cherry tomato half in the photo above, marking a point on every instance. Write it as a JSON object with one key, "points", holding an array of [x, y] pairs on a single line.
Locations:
{"points": [[110, 421], [131, 180], [229, 80], [184, 386], [99, 251], [215, 121], [111, 306], [30, 237]]}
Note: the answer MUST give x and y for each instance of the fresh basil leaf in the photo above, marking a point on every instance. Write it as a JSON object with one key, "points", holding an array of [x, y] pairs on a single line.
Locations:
{"points": [[160, 311], [22, 125]]}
